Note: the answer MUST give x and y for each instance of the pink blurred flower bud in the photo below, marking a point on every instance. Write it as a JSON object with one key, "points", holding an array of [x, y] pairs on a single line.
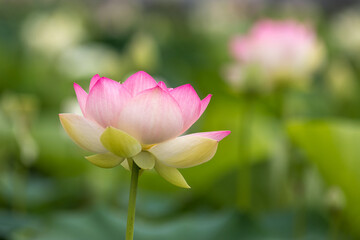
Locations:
{"points": [[279, 49]]}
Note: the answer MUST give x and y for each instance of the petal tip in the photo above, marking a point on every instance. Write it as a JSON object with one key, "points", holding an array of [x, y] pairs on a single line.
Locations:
{"points": [[81, 96], [94, 80], [158, 89], [208, 96], [101, 81], [225, 134], [182, 184], [204, 103], [77, 87], [171, 175], [215, 135], [220, 135], [139, 82], [163, 85], [142, 73], [62, 115], [190, 87]]}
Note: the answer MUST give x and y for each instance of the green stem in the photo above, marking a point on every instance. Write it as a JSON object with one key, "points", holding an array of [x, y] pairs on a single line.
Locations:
{"points": [[132, 202]]}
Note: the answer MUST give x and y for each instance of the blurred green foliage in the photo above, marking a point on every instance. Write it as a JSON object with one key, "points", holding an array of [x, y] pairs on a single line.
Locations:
{"points": [[289, 170], [331, 146]]}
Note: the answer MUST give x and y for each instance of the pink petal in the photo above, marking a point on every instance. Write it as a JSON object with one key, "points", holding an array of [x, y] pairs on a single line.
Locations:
{"points": [[81, 97], [163, 86], [189, 103], [93, 81], [105, 101], [139, 82], [204, 104], [216, 135], [153, 116]]}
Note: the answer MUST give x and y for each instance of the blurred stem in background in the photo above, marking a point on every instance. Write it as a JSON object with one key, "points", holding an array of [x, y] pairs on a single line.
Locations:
{"points": [[335, 209], [20, 178], [244, 194], [296, 165], [132, 201]]}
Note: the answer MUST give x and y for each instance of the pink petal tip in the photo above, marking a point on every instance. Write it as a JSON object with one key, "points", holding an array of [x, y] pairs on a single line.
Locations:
{"points": [[216, 135]]}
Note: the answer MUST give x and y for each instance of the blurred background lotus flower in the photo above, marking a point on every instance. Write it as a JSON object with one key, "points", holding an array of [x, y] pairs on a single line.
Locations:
{"points": [[143, 51], [343, 25], [218, 18], [275, 52], [78, 61], [117, 17], [51, 33]]}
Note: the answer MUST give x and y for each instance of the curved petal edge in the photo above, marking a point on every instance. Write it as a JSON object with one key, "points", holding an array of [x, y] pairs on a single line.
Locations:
{"points": [[83, 132], [189, 103], [216, 135], [186, 151], [139, 82], [81, 97], [105, 101]]}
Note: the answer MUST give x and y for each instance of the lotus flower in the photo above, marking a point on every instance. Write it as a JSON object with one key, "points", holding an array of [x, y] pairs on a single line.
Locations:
{"points": [[279, 50], [141, 120]]}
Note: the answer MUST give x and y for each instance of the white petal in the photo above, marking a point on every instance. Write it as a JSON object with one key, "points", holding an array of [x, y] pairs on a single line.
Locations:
{"points": [[84, 132], [186, 151]]}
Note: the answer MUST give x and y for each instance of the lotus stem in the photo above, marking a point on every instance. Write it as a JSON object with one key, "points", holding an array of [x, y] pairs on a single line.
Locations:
{"points": [[132, 202]]}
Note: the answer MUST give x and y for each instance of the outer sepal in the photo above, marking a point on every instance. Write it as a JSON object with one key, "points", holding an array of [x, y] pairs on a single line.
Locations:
{"points": [[105, 160], [144, 160], [120, 143], [171, 174]]}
